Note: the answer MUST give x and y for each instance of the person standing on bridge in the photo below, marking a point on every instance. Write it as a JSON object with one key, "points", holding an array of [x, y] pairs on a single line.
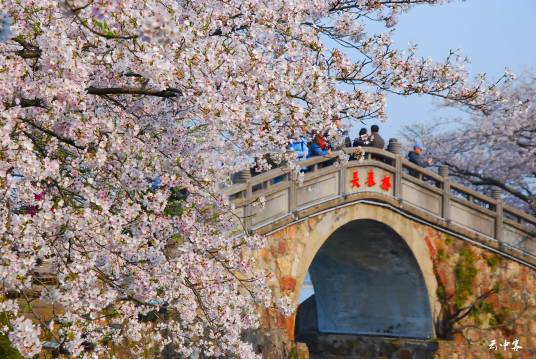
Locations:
{"points": [[363, 140], [319, 146], [298, 144], [416, 156], [376, 140]]}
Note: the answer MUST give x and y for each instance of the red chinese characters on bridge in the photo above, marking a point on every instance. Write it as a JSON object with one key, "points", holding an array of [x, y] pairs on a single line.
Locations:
{"points": [[370, 179], [355, 180], [385, 182]]}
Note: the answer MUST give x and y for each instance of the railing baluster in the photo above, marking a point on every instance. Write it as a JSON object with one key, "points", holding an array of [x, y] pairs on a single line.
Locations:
{"points": [[293, 192], [499, 230], [342, 179], [248, 209], [395, 147], [398, 177], [444, 172]]}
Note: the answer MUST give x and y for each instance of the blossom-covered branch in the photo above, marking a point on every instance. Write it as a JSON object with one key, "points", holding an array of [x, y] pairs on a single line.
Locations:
{"points": [[497, 149], [119, 119]]}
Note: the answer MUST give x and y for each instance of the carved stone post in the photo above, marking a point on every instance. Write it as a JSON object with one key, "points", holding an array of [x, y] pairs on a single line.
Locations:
{"points": [[496, 194], [396, 147], [444, 172], [244, 176], [293, 192], [343, 170]]}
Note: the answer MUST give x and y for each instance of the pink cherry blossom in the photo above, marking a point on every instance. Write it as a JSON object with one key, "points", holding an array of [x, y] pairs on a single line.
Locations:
{"points": [[97, 97], [494, 149]]}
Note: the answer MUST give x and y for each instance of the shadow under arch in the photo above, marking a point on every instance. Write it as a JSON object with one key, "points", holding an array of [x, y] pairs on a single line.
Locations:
{"points": [[366, 282]]}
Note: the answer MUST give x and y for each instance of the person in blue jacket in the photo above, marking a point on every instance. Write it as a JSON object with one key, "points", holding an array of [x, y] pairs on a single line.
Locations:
{"points": [[318, 147], [299, 146]]}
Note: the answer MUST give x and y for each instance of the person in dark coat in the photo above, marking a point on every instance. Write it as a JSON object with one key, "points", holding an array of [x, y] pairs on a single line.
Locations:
{"points": [[363, 140], [416, 156], [376, 140]]}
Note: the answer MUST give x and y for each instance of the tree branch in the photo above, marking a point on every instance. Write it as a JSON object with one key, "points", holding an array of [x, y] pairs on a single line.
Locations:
{"points": [[52, 133], [167, 93], [29, 54], [26, 102], [463, 312], [486, 181], [104, 92]]}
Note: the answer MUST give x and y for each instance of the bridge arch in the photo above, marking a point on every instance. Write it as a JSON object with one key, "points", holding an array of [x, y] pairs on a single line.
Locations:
{"points": [[323, 226], [366, 282], [295, 246]]}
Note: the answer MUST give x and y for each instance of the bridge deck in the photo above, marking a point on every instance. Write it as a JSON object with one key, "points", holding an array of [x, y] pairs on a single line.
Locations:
{"points": [[275, 198]]}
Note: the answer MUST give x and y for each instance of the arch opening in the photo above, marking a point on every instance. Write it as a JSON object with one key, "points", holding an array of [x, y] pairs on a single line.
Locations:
{"points": [[366, 282]]}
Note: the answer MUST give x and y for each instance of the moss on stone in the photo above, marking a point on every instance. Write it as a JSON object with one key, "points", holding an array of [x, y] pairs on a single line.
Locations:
{"points": [[442, 255], [449, 239], [493, 260], [500, 316], [293, 352], [465, 272], [481, 311], [483, 307]]}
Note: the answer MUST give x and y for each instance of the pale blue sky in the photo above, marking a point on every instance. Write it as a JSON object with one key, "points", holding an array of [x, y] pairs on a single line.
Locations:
{"points": [[494, 34]]}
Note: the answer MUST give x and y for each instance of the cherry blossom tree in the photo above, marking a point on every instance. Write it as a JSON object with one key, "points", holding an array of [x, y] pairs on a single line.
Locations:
{"points": [[492, 149], [120, 119]]}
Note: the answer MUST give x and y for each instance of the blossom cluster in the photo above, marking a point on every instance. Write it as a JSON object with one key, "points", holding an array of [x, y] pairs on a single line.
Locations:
{"points": [[492, 149], [100, 98]]}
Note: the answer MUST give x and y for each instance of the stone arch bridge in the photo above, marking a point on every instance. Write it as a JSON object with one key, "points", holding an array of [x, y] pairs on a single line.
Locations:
{"points": [[404, 262]]}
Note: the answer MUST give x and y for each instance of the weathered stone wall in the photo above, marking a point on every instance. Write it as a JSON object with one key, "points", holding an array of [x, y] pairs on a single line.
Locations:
{"points": [[475, 296], [483, 297]]}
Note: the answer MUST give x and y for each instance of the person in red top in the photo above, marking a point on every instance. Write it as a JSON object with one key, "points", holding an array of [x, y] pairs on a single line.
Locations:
{"points": [[322, 142], [319, 146]]}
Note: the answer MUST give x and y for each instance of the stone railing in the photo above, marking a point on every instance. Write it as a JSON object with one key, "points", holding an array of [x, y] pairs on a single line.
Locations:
{"points": [[276, 196]]}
